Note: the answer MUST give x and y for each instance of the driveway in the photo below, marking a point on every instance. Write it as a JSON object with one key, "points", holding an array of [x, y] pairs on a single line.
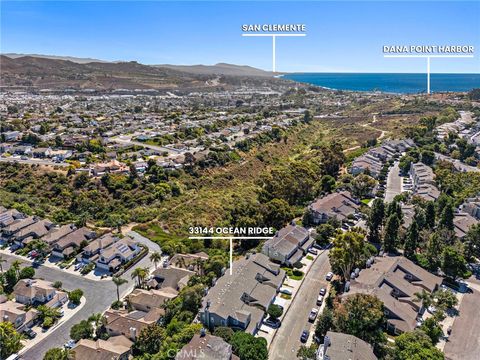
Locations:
{"points": [[464, 342], [394, 183], [287, 339]]}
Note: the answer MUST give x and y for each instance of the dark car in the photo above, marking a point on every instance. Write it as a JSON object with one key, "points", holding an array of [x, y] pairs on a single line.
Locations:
{"points": [[30, 333], [273, 323], [304, 336]]}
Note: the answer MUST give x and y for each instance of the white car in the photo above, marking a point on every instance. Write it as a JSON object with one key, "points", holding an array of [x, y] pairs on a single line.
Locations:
{"points": [[285, 291], [313, 315], [69, 344], [329, 276]]}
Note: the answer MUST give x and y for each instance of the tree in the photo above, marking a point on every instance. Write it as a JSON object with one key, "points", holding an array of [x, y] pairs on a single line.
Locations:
{"points": [[248, 347], [307, 353], [453, 263], [416, 345], [10, 340], [432, 329], [363, 185], [445, 299], [390, 237], [472, 242], [276, 213], [58, 354], [2, 260], [75, 296], [48, 315], [430, 214], [412, 240], [57, 285], [324, 233], [140, 274], [118, 281], [327, 183], [83, 330], [156, 257], [346, 252], [150, 340], [424, 297], [324, 323], [375, 220], [274, 311], [16, 267], [224, 332], [332, 159], [434, 251], [427, 157], [446, 218], [27, 273], [363, 316]]}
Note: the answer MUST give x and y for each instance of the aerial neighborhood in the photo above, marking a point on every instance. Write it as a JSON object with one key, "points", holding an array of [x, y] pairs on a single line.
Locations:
{"points": [[373, 198]]}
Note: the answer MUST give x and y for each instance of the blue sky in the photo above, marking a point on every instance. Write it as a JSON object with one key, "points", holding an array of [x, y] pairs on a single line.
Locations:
{"points": [[341, 36]]}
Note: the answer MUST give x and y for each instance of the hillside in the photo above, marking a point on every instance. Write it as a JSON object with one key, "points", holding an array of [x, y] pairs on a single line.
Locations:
{"points": [[219, 69], [33, 72]]}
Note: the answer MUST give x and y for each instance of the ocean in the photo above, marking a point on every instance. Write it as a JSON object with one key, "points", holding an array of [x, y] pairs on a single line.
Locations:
{"points": [[388, 82]]}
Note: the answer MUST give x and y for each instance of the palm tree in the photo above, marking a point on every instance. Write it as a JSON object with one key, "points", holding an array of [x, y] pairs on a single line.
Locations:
{"points": [[140, 274], [2, 260], [156, 257], [118, 281], [42, 248], [424, 297], [199, 266]]}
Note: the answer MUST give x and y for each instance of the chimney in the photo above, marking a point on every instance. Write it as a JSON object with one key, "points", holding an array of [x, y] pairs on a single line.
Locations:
{"points": [[133, 333]]}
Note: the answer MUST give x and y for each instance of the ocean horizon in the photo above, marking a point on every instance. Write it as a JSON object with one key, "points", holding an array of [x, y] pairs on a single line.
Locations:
{"points": [[396, 83]]}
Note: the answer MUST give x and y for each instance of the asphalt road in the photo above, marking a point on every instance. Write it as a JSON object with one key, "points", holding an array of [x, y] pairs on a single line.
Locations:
{"points": [[394, 183], [287, 340], [99, 296], [464, 342]]}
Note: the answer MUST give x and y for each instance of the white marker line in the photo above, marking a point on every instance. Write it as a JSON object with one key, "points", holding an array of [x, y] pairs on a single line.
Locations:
{"points": [[427, 56], [428, 62], [230, 239], [273, 36]]}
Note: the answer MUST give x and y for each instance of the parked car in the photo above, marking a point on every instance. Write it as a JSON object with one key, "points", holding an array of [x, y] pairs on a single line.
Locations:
{"points": [[323, 291], [69, 344], [313, 314], [285, 291], [30, 333], [304, 336], [78, 266], [61, 312], [329, 276], [313, 251], [319, 300], [273, 323]]}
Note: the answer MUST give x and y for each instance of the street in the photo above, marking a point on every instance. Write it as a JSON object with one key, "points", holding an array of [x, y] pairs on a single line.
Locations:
{"points": [[394, 183], [33, 161], [99, 296], [287, 340]]}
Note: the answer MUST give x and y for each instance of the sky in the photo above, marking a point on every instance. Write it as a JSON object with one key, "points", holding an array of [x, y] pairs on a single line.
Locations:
{"points": [[341, 36]]}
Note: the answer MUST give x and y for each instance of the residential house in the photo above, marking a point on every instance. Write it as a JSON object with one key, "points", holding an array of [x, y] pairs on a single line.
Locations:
{"points": [[240, 300], [28, 291], [288, 245], [339, 205], [15, 313], [114, 348], [339, 346], [146, 300], [72, 242], [171, 277], [395, 280], [424, 182], [130, 324], [117, 254], [33, 231], [191, 262], [463, 222], [7, 217], [113, 166], [366, 164], [92, 250], [57, 233], [18, 224], [472, 206], [207, 347]]}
